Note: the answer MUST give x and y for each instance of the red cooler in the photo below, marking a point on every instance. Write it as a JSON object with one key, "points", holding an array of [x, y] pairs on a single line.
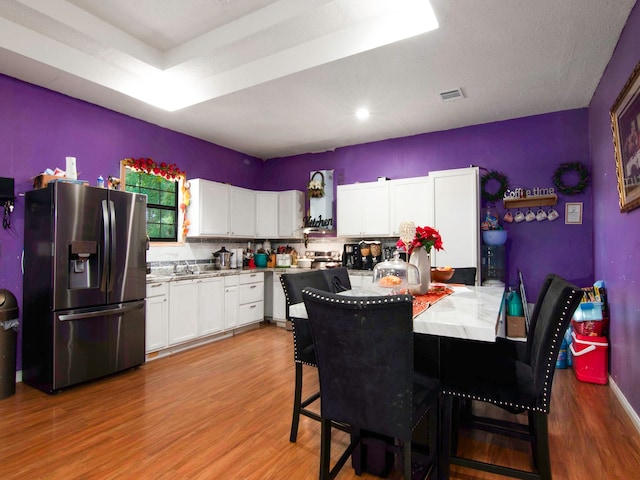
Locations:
{"points": [[590, 358]]}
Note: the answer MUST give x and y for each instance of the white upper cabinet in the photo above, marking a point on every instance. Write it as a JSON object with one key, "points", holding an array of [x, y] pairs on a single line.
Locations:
{"points": [[243, 212], [363, 209], [290, 214], [221, 210], [209, 208], [409, 201], [455, 213], [267, 214]]}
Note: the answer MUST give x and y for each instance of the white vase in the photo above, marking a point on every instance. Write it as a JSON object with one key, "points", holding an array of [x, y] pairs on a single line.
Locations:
{"points": [[421, 259]]}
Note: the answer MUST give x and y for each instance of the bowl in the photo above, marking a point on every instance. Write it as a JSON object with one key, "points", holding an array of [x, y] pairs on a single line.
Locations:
{"points": [[304, 262], [442, 274], [260, 259], [494, 237]]}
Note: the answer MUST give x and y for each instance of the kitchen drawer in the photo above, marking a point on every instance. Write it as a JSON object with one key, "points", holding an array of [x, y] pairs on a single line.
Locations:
{"points": [[230, 280], [157, 289], [249, 293], [250, 313], [251, 277]]}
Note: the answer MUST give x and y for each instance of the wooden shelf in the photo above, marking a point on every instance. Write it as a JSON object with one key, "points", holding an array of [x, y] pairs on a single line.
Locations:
{"points": [[540, 201]]}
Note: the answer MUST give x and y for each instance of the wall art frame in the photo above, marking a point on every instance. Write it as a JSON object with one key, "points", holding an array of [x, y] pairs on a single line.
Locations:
{"points": [[625, 126], [573, 213]]}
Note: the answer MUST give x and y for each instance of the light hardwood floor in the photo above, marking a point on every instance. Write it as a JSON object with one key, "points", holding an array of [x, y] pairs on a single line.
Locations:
{"points": [[223, 411]]}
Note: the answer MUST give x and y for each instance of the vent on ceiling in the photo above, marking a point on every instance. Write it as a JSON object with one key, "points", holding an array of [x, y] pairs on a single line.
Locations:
{"points": [[449, 95]]}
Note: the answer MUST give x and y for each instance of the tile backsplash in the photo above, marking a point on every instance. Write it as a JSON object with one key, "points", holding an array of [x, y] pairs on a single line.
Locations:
{"points": [[201, 250]]}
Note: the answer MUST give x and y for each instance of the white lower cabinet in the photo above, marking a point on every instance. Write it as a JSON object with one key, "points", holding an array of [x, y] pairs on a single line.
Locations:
{"points": [[250, 298], [201, 307], [156, 316], [183, 311], [230, 302], [211, 302], [196, 308], [279, 301]]}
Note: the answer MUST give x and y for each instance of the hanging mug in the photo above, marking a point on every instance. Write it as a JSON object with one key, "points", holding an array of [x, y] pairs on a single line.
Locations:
{"points": [[552, 215], [541, 215], [518, 217], [529, 216], [508, 217]]}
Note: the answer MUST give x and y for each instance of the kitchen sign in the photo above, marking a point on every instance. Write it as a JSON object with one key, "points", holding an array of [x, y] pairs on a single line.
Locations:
{"points": [[320, 193]]}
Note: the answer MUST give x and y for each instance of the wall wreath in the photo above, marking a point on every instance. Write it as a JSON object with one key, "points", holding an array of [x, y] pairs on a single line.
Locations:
{"points": [[499, 177], [571, 167]]}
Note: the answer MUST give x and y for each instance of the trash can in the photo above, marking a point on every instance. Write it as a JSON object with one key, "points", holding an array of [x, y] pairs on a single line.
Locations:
{"points": [[8, 340]]}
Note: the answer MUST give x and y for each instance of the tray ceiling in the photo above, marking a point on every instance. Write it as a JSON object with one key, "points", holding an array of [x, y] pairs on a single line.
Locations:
{"points": [[277, 78]]}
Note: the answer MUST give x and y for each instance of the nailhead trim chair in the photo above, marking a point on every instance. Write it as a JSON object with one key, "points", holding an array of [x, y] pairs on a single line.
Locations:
{"points": [[464, 275], [303, 349], [485, 373], [364, 349], [337, 279]]}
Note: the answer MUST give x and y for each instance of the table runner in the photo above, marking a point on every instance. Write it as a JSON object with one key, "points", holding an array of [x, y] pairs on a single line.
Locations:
{"points": [[434, 294]]}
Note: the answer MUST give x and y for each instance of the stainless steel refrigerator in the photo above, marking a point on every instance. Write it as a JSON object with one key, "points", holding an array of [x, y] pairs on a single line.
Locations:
{"points": [[84, 284]]}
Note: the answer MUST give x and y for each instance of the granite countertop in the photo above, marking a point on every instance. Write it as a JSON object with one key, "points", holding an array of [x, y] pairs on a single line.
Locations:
{"points": [[166, 275]]}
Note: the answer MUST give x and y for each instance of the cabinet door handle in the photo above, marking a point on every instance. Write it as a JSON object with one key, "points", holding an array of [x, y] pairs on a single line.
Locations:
{"points": [[253, 306], [253, 286], [154, 285]]}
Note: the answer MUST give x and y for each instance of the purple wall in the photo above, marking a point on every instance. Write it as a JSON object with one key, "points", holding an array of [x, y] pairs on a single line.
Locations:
{"points": [[616, 245], [39, 128], [527, 150]]}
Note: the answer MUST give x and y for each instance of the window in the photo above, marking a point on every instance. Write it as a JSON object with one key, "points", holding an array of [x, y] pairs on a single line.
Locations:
{"points": [[162, 200]]}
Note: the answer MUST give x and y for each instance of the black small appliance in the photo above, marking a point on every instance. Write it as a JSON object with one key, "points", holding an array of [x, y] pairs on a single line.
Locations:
{"points": [[351, 257]]}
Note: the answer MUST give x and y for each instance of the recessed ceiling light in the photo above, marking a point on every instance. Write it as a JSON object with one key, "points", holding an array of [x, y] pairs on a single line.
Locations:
{"points": [[362, 114]]}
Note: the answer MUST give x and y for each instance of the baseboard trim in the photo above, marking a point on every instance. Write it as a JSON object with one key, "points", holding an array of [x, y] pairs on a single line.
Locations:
{"points": [[635, 419]]}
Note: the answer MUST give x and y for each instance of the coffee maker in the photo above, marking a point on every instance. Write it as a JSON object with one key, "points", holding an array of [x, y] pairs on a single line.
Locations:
{"points": [[351, 257]]}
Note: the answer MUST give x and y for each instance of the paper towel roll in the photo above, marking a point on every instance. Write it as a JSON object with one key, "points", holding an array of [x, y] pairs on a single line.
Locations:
{"points": [[239, 256], [71, 172]]}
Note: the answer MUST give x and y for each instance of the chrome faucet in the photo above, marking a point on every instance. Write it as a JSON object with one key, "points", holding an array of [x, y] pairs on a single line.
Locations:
{"points": [[188, 268]]}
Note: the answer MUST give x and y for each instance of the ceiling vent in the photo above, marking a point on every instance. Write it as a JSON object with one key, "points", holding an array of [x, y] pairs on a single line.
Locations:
{"points": [[449, 95]]}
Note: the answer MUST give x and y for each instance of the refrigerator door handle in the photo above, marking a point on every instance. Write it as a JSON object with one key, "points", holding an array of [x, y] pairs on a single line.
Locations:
{"points": [[113, 248], [101, 313], [106, 246]]}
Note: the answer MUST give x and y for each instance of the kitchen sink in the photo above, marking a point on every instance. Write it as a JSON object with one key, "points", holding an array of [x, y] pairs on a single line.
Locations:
{"points": [[183, 274]]}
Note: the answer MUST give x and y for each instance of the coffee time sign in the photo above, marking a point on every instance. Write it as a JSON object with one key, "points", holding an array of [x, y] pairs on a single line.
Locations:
{"points": [[529, 193]]}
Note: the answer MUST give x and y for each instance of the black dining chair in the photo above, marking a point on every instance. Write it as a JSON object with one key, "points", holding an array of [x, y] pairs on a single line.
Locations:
{"points": [[303, 349], [522, 350], [337, 279], [464, 276], [364, 350], [485, 372]]}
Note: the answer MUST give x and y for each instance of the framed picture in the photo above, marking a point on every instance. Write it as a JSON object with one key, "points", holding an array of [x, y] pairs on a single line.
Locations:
{"points": [[625, 125], [573, 213]]}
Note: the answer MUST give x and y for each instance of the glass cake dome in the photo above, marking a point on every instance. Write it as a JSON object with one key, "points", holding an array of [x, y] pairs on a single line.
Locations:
{"points": [[396, 274]]}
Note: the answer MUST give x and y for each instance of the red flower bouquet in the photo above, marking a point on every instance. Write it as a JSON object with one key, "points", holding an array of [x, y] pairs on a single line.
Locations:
{"points": [[425, 237]]}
